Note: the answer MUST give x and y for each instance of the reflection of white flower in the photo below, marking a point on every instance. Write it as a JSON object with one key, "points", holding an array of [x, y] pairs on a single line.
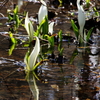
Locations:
{"points": [[42, 12], [93, 60], [94, 50]]}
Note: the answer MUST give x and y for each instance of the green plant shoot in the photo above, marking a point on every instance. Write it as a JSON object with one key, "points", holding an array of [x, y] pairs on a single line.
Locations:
{"points": [[75, 28]]}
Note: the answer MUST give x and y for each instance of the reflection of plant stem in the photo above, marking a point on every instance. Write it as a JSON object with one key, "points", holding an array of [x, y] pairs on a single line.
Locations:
{"points": [[60, 49], [75, 53], [32, 84]]}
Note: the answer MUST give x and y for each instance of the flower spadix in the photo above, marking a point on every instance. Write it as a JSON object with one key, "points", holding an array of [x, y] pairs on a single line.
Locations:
{"points": [[29, 27], [42, 11], [30, 60], [81, 17]]}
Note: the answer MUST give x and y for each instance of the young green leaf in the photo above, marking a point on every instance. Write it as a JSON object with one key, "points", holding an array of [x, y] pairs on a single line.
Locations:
{"points": [[60, 35], [89, 34], [12, 48], [75, 28], [16, 10], [50, 39], [13, 40]]}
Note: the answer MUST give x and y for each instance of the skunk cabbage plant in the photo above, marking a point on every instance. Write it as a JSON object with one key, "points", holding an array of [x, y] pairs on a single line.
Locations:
{"points": [[29, 28], [30, 59], [81, 19]]}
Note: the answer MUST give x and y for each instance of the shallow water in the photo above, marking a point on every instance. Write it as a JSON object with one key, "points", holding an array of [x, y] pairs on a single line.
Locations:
{"points": [[79, 80]]}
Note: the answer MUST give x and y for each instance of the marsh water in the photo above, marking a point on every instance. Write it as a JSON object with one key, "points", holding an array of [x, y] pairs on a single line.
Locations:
{"points": [[75, 79]]}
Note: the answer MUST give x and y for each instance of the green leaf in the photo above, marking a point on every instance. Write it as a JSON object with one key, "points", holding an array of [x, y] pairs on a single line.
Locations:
{"points": [[13, 40], [75, 28], [16, 10], [39, 63], [44, 26], [75, 53], [89, 34], [11, 49], [60, 49], [60, 35], [26, 45], [17, 21], [96, 12], [10, 17], [27, 68], [50, 39]]}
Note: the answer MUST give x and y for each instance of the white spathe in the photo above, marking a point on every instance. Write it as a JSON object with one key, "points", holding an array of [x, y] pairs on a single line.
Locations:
{"points": [[42, 12], [30, 61], [29, 27], [34, 54], [81, 18], [51, 28]]}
